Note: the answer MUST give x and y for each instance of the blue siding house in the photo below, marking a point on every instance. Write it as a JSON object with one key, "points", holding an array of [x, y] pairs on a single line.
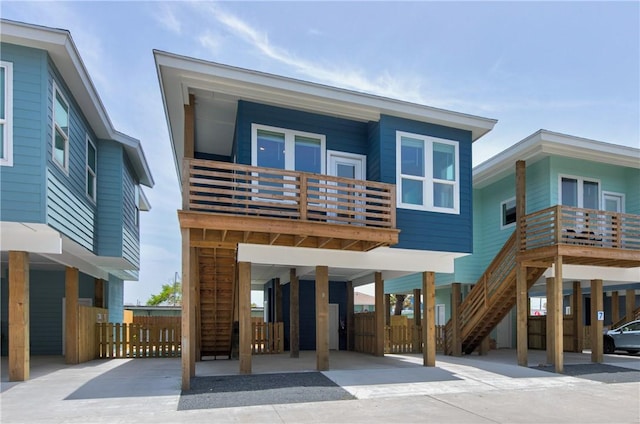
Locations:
{"points": [[70, 190], [305, 191]]}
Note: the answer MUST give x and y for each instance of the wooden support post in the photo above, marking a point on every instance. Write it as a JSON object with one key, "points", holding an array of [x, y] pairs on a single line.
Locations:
{"points": [[417, 311], [549, 319], [379, 314], [350, 317], [597, 354], [294, 314], [193, 296], [322, 318], [558, 342], [387, 309], [485, 346], [278, 317], [522, 310], [244, 306], [187, 372], [456, 300], [189, 127], [630, 304], [19, 366], [71, 315], [615, 306], [578, 321], [98, 293], [429, 319]]}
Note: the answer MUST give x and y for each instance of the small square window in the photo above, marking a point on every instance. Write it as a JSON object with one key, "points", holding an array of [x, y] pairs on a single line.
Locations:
{"points": [[508, 212]]}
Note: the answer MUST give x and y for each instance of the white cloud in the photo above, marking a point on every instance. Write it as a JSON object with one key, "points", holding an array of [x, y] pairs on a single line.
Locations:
{"points": [[166, 17], [210, 42]]}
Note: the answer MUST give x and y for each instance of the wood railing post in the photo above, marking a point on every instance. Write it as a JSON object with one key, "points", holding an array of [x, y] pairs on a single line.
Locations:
{"points": [[304, 197], [392, 207], [186, 175]]}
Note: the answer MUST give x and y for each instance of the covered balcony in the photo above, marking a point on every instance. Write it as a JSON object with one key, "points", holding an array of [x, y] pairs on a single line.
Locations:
{"points": [[225, 204]]}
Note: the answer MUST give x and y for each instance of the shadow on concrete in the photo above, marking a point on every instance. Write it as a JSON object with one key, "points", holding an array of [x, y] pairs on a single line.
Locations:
{"points": [[597, 372], [39, 366]]}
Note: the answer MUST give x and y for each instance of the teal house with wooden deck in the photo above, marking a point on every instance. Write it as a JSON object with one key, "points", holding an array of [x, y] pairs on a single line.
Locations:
{"points": [[581, 204], [70, 196]]}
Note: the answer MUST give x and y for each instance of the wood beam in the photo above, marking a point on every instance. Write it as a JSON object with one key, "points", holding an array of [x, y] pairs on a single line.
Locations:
{"points": [[456, 300], [387, 309], [615, 306], [98, 293], [630, 303], [186, 310], [322, 318], [194, 298], [549, 319], [417, 327], [522, 310], [350, 316], [597, 305], [578, 320], [189, 127], [244, 307], [196, 309], [18, 349], [71, 282], [558, 342], [294, 314], [429, 319], [379, 314], [521, 198]]}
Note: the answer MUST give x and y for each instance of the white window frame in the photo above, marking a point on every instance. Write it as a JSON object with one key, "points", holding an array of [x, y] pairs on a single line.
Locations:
{"points": [[55, 128], [289, 145], [7, 121], [580, 182], [502, 204], [427, 180], [89, 170], [621, 196]]}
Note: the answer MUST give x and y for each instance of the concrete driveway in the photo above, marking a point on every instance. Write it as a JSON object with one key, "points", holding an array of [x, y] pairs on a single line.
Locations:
{"points": [[395, 388]]}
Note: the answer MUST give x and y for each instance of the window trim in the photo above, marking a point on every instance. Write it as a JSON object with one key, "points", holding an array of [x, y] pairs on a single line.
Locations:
{"points": [[580, 181], [88, 169], [428, 179], [64, 167], [504, 226], [289, 144], [621, 196], [7, 159]]}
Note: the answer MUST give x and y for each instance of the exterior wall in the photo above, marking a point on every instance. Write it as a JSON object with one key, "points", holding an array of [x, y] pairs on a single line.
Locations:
{"points": [[110, 195], [130, 228], [69, 209], [22, 186], [115, 304], [46, 294], [337, 294], [632, 177], [430, 230], [341, 134]]}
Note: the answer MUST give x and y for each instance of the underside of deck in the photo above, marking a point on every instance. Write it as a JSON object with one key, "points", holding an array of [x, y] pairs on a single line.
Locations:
{"points": [[544, 257], [212, 230]]}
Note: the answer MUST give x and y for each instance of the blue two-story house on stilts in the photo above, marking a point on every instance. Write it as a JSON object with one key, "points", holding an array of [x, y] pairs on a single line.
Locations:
{"points": [[305, 191], [70, 197]]}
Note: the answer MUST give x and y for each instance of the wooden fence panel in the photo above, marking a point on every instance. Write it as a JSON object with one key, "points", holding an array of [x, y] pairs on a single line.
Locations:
{"points": [[364, 332], [267, 337], [138, 340], [88, 317]]}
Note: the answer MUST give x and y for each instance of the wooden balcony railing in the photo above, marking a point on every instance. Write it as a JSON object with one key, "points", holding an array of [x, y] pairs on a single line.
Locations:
{"points": [[228, 188], [576, 226]]}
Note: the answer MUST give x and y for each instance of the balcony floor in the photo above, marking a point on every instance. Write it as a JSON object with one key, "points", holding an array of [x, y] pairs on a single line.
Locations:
{"points": [[581, 255]]}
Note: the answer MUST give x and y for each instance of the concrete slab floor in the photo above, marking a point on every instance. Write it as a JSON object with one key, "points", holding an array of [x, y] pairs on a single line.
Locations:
{"points": [[395, 388]]}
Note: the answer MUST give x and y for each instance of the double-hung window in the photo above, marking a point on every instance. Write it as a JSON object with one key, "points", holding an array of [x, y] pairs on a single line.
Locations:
{"points": [[6, 113], [92, 161], [579, 192], [428, 175], [60, 129]]}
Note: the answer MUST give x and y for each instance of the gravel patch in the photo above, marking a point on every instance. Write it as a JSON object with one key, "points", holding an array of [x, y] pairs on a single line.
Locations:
{"points": [[260, 389], [597, 372]]}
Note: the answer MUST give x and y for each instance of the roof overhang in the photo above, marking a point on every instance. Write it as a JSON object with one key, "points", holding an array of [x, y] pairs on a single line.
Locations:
{"points": [[64, 54], [542, 144], [221, 86]]}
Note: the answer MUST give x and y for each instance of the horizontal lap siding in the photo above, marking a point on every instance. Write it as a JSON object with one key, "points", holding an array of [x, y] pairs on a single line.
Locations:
{"points": [[22, 186], [69, 209], [430, 230], [110, 196], [130, 231], [341, 134], [632, 178]]}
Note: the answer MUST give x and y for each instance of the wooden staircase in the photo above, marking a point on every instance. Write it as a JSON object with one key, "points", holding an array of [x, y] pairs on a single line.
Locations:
{"points": [[490, 299], [217, 273]]}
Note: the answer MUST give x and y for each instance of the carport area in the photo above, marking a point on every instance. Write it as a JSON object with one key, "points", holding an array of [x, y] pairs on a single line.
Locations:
{"points": [[491, 388]]}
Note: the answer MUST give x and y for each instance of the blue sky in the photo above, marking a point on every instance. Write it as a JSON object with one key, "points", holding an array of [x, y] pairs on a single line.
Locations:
{"points": [[570, 67]]}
